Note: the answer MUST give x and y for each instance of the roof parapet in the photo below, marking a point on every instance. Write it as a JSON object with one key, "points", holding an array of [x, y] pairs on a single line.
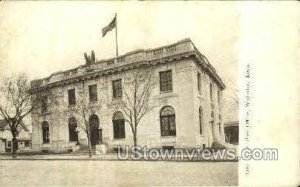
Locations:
{"points": [[140, 55]]}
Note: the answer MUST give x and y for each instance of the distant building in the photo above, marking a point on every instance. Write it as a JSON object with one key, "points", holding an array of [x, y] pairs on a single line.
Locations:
{"points": [[24, 138], [189, 96], [231, 130]]}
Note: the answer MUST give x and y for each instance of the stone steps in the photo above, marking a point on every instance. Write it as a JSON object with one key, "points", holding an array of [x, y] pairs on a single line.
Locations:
{"points": [[84, 150]]}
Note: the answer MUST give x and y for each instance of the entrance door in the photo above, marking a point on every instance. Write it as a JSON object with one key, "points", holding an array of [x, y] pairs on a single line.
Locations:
{"points": [[94, 136], [73, 134], [94, 125]]}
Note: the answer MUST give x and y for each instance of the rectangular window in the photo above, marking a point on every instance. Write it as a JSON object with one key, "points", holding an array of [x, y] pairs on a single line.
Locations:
{"points": [[26, 143], [211, 92], [200, 120], [117, 88], [8, 144], [165, 80], [199, 82], [72, 98], [219, 98], [220, 121], [93, 93], [119, 129], [44, 107]]}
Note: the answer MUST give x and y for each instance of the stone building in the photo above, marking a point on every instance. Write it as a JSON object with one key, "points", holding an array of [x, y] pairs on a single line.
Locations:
{"points": [[188, 97]]}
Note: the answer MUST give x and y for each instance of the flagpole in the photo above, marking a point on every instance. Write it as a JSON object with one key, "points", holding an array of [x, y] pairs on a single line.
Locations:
{"points": [[116, 36]]}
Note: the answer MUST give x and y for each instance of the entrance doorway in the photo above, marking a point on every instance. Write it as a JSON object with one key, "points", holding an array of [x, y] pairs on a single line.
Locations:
{"points": [[73, 134], [94, 129]]}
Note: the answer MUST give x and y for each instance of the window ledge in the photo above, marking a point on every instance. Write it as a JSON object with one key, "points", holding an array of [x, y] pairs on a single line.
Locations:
{"points": [[165, 94], [167, 91], [168, 137], [93, 103], [46, 144], [45, 113], [119, 140], [116, 98], [71, 107]]}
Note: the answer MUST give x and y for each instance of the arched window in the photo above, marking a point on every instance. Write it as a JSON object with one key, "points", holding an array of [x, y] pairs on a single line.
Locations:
{"points": [[119, 125], [211, 92], [45, 132], [73, 134], [220, 121], [201, 120], [94, 129], [212, 118], [167, 121], [199, 82]]}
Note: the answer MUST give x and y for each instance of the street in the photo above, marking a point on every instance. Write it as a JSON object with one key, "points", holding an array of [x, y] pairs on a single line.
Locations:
{"points": [[112, 173]]}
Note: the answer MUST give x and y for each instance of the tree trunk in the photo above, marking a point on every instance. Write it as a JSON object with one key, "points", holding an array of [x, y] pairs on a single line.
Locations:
{"points": [[14, 147], [135, 133], [134, 142], [134, 139]]}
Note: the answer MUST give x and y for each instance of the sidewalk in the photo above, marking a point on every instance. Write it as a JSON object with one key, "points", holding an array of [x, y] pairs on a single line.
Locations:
{"points": [[104, 157], [61, 157]]}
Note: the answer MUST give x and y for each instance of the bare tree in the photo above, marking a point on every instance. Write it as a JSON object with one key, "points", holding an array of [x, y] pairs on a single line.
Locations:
{"points": [[234, 98], [84, 109], [136, 102], [16, 102]]}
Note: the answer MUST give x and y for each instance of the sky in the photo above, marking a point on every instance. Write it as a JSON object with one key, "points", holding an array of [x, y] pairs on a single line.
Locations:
{"points": [[40, 38]]}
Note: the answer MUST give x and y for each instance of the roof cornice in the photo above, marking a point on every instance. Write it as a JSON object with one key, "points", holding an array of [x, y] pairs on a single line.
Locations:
{"points": [[165, 54]]}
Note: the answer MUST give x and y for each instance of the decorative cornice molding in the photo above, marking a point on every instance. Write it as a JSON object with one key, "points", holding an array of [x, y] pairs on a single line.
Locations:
{"points": [[191, 52]]}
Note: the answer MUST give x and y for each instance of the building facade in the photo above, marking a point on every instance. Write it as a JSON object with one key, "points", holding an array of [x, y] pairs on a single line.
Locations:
{"points": [[188, 97]]}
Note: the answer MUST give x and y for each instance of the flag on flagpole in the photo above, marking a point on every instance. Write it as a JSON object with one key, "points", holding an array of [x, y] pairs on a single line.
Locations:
{"points": [[109, 27]]}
